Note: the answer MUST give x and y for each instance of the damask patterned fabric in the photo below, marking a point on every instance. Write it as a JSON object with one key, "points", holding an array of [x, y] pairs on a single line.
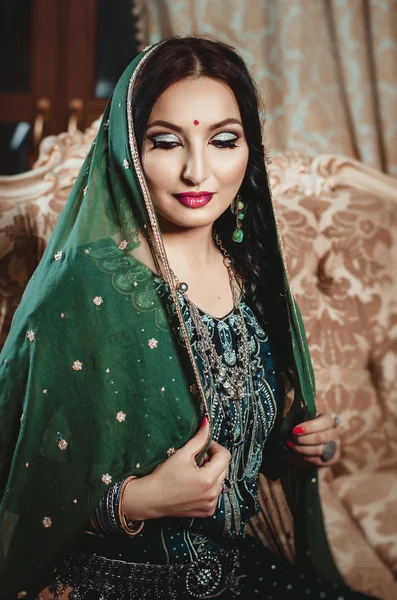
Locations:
{"points": [[341, 250], [326, 70]]}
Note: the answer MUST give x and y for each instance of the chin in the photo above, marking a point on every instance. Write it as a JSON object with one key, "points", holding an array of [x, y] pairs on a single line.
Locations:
{"points": [[191, 217]]}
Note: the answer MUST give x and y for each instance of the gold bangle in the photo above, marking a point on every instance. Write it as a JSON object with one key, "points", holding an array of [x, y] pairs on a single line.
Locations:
{"points": [[130, 528]]}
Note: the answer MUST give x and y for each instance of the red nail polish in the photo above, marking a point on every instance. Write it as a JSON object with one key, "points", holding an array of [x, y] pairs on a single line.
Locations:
{"points": [[298, 429], [204, 422], [289, 444]]}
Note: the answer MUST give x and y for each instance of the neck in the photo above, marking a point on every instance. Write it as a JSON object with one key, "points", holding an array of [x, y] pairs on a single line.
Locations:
{"points": [[188, 248]]}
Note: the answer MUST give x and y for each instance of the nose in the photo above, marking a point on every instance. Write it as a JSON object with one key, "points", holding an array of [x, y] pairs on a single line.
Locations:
{"points": [[195, 169]]}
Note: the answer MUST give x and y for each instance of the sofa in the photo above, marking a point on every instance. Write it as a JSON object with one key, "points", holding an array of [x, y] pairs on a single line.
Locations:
{"points": [[338, 220]]}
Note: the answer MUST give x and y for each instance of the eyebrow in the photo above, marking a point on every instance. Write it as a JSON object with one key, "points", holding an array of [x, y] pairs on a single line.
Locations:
{"points": [[211, 128]]}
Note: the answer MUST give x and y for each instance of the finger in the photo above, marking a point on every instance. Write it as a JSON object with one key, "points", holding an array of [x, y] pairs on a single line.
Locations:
{"points": [[320, 437], [320, 423], [306, 450], [318, 462], [218, 463], [198, 441], [205, 459], [313, 451]]}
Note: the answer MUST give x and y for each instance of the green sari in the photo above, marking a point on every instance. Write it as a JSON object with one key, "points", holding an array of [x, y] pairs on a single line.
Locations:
{"points": [[86, 396]]}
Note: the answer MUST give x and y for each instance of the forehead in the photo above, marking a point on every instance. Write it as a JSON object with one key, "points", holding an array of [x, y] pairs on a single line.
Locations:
{"points": [[200, 98]]}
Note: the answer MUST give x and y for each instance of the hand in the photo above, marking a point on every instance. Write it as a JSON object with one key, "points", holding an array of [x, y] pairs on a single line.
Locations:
{"points": [[309, 438], [178, 487]]}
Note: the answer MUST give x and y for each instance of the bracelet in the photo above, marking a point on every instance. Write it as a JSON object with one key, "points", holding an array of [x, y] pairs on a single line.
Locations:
{"points": [[109, 517], [130, 528]]}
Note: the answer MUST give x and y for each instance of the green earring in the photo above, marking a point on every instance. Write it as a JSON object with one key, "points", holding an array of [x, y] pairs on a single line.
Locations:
{"points": [[237, 209]]}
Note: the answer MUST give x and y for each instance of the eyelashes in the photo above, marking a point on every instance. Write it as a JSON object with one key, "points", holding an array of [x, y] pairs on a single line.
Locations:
{"points": [[167, 141]]}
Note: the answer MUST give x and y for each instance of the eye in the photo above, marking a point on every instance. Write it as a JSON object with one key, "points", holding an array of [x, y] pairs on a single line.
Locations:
{"points": [[225, 139], [165, 141]]}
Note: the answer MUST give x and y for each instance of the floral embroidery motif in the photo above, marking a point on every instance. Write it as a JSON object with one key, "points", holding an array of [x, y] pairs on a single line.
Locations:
{"points": [[47, 522], [152, 343], [30, 335], [170, 451], [126, 164], [98, 300], [123, 245], [62, 444], [77, 365], [58, 255], [106, 478], [121, 416]]}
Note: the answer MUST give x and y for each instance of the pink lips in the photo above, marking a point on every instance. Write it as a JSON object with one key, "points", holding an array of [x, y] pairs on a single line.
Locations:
{"points": [[194, 199]]}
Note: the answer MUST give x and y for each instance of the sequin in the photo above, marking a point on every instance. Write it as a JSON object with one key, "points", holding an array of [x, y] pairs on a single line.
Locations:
{"points": [[137, 466], [126, 164], [152, 343], [98, 300], [22, 594], [27, 465], [77, 365], [85, 190], [75, 501], [63, 316], [123, 245], [162, 389], [107, 370], [45, 391], [58, 255], [314, 480], [62, 444], [21, 419], [106, 125], [106, 478], [170, 452], [121, 416], [30, 335], [47, 522]]}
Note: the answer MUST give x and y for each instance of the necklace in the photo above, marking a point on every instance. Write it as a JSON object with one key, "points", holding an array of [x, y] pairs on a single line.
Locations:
{"points": [[231, 378]]}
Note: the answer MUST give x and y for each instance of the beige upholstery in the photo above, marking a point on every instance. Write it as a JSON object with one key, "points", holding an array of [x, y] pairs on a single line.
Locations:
{"points": [[339, 225]]}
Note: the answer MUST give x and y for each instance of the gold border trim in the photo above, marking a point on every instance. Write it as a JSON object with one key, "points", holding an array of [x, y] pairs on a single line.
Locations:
{"points": [[158, 240]]}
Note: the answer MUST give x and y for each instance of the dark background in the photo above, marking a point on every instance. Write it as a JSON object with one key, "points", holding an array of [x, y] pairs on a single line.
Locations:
{"points": [[60, 62]]}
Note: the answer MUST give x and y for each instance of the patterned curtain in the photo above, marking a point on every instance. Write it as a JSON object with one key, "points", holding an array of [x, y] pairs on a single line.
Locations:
{"points": [[326, 69]]}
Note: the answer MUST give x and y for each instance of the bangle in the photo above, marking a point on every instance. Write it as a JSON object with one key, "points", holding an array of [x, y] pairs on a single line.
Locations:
{"points": [[130, 528], [109, 517]]}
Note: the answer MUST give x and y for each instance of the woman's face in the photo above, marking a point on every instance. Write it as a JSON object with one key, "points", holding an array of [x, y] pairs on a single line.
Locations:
{"points": [[194, 152]]}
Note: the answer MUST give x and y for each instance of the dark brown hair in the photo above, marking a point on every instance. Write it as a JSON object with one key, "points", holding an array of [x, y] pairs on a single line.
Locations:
{"points": [[257, 259]]}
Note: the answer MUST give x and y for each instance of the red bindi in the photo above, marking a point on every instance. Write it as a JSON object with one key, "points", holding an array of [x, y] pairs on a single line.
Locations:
{"points": [[195, 122]]}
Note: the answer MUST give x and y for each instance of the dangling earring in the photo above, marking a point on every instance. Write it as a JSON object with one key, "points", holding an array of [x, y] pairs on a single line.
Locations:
{"points": [[237, 208]]}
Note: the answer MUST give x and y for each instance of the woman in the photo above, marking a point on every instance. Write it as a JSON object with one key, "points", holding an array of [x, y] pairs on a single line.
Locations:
{"points": [[144, 380]]}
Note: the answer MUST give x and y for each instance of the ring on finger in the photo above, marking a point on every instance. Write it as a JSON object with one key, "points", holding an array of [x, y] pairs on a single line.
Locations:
{"points": [[329, 451]]}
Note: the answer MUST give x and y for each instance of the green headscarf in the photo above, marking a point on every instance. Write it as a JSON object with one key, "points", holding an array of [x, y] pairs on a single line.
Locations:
{"points": [[96, 383]]}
